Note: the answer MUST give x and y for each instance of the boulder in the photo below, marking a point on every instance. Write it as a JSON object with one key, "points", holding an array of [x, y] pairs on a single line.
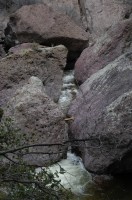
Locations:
{"points": [[39, 121], [102, 113], [99, 16], [69, 7], [32, 60], [114, 43], [39, 23]]}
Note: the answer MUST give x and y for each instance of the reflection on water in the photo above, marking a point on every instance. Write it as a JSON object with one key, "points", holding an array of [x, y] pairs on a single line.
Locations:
{"points": [[120, 188], [80, 182], [85, 187]]}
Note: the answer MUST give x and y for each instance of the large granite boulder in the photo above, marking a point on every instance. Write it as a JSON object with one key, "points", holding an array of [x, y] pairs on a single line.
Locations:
{"points": [[39, 121], [99, 16], [102, 114], [112, 44], [29, 60], [69, 7], [39, 23]]}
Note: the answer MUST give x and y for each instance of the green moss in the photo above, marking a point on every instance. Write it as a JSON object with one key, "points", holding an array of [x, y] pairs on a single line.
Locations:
{"points": [[2, 196]]}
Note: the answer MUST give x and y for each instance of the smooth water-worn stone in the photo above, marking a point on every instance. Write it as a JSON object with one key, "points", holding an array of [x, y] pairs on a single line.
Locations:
{"points": [[102, 114], [112, 44], [39, 121], [32, 60]]}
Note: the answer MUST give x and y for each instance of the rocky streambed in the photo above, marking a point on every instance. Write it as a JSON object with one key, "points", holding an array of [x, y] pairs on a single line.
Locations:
{"points": [[66, 74], [87, 186]]}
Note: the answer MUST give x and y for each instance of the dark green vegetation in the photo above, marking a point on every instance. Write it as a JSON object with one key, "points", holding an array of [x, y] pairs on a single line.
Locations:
{"points": [[19, 180]]}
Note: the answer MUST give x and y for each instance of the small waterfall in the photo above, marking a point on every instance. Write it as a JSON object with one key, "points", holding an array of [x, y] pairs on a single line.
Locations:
{"points": [[75, 178], [68, 92]]}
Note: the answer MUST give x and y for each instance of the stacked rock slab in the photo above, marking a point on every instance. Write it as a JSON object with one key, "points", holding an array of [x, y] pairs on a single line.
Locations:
{"points": [[39, 23], [32, 60], [102, 116], [69, 7]]}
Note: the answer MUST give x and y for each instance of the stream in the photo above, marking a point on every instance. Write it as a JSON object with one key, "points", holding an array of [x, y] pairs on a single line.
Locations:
{"points": [[76, 177], [120, 188], [81, 183]]}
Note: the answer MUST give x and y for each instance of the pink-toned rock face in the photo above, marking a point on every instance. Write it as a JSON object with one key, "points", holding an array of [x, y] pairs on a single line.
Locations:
{"points": [[39, 23], [115, 42], [102, 114], [100, 15]]}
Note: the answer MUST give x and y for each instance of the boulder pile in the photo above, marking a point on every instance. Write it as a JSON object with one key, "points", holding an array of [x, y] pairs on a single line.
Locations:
{"points": [[39, 42]]}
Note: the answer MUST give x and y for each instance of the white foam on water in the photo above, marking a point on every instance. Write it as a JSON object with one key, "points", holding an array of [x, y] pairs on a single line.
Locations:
{"points": [[75, 178], [69, 91]]}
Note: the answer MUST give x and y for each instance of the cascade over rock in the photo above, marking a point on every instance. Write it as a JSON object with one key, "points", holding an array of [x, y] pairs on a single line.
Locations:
{"points": [[102, 113]]}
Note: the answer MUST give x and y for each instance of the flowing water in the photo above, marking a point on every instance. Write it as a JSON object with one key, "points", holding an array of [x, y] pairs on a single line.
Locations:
{"points": [[120, 188], [76, 177], [68, 92], [84, 188]]}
